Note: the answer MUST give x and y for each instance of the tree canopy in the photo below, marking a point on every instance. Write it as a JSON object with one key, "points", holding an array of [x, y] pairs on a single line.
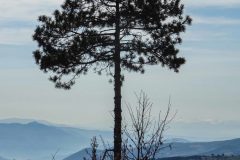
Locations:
{"points": [[81, 36]]}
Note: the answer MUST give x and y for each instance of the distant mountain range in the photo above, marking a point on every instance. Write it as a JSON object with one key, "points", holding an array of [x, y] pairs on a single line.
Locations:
{"points": [[37, 141], [227, 147], [212, 157], [183, 149], [23, 139]]}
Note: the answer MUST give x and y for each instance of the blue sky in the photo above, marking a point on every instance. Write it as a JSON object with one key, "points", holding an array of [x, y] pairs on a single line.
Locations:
{"points": [[205, 91]]}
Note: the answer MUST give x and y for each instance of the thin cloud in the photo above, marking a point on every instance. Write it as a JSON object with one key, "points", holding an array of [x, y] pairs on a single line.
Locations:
{"points": [[204, 3], [200, 36], [20, 17], [27, 9], [215, 20], [16, 36]]}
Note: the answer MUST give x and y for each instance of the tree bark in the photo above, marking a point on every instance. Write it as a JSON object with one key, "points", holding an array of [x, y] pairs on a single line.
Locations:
{"points": [[117, 90]]}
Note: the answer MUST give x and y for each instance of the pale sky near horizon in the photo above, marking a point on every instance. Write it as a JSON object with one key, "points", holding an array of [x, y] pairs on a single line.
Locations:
{"points": [[207, 88]]}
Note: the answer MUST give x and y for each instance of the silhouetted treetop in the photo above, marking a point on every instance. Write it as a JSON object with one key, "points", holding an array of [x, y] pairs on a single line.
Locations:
{"points": [[81, 35]]}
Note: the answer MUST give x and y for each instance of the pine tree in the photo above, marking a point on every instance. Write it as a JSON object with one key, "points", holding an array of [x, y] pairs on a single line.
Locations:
{"points": [[109, 35]]}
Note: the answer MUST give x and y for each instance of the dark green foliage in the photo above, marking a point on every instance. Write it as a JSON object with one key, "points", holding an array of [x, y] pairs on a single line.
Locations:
{"points": [[81, 36]]}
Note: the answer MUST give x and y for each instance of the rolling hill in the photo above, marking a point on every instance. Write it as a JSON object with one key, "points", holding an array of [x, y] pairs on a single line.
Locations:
{"points": [[35, 140], [228, 147], [183, 149]]}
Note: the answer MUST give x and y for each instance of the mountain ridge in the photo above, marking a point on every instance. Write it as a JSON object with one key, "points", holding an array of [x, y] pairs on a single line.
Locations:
{"points": [[24, 138], [18, 140], [182, 149]]}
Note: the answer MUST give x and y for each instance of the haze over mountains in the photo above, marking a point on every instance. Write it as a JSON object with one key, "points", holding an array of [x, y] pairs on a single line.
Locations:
{"points": [[34, 140], [228, 148]]}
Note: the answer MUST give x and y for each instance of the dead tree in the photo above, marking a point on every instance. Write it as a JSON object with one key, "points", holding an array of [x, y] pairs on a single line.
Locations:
{"points": [[144, 134]]}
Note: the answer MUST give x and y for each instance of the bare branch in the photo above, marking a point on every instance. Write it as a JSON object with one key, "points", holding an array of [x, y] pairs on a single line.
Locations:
{"points": [[145, 133]]}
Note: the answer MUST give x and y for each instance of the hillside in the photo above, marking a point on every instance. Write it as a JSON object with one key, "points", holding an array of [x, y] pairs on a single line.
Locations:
{"points": [[228, 147], [214, 157], [37, 141]]}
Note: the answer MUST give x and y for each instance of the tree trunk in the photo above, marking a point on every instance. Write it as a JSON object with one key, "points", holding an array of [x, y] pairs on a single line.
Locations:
{"points": [[117, 90]]}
